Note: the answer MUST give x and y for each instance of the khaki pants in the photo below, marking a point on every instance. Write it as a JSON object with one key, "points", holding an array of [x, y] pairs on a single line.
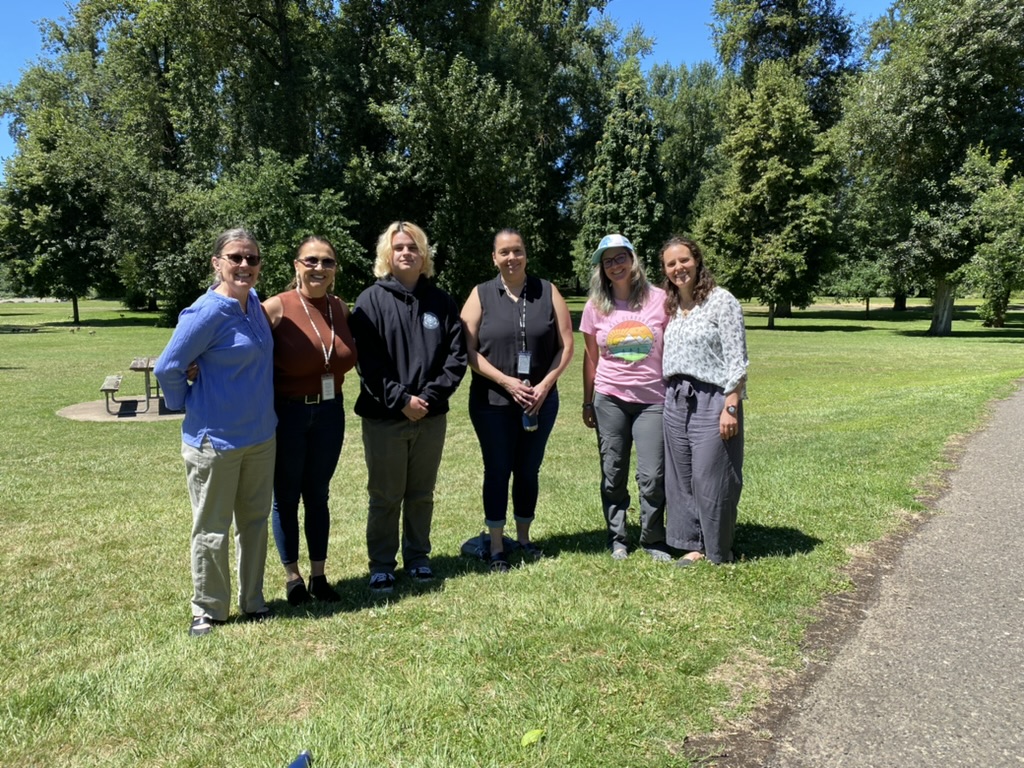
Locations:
{"points": [[224, 486]]}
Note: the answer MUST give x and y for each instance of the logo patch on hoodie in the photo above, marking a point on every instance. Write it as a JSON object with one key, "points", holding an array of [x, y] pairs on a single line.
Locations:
{"points": [[430, 321]]}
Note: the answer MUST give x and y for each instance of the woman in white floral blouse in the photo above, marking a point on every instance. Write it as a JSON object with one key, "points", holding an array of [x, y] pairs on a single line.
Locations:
{"points": [[705, 368]]}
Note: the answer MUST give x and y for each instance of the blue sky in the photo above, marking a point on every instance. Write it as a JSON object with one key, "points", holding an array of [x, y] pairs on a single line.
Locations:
{"points": [[680, 28]]}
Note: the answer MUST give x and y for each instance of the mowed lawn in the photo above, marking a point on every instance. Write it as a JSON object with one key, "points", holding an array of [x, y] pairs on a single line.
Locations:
{"points": [[618, 663]]}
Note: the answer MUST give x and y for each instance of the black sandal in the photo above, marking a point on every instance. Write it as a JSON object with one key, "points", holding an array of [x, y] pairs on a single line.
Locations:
{"points": [[499, 563]]}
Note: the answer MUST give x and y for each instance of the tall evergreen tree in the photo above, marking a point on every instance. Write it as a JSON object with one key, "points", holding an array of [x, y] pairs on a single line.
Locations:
{"points": [[623, 190], [769, 226]]}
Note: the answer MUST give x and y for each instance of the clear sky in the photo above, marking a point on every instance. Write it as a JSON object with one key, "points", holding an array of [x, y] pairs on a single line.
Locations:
{"points": [[681, 29]]}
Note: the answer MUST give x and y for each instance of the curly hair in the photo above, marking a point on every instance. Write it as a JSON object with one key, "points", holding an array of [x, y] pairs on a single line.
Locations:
{"points": [[704, 283]]}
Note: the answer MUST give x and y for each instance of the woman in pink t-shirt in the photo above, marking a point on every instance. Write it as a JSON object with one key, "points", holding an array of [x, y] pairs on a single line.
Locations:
{"points": [[623, 393]]}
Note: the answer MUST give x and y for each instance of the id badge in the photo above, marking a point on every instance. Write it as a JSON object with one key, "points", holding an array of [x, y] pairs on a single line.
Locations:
{"points": [[327, 386], [523, 364]]}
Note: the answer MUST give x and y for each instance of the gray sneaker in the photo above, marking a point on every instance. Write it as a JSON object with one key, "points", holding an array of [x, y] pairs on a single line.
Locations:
{"points": [[658, 555], [382, 583], [619, 551]]}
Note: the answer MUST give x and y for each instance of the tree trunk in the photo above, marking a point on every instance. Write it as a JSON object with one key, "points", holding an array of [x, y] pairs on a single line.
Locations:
{"points": [[942, 308], [867, 308], [74, 307], [771, 315], [784, 309], [151, 306], [899, 302]]}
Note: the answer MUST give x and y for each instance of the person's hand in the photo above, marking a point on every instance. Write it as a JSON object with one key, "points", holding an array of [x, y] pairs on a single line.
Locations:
{"points": [[416, 409], [728, 425], [192, 372], [589, 417], [521, 392], [540, 394]]}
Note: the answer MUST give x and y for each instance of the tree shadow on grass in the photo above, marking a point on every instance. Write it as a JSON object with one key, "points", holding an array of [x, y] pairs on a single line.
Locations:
{"points": [[754, 541], [126, 319]]}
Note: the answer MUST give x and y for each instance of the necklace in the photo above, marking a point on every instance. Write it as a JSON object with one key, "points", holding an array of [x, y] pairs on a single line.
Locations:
{"points": [[330, 315]]}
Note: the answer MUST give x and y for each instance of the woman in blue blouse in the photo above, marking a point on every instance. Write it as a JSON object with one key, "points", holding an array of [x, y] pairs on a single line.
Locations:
{"points": [[705, 366], [228, 440]]}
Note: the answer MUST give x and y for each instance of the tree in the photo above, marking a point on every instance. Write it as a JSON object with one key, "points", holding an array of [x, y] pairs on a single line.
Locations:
{"points": [[689, 106], [948, 77], [54, 193], [814, 38], [623, 190], [770, 224], [997, 268]]}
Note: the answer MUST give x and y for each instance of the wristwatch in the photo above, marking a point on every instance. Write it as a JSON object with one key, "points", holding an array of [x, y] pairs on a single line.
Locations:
{"points": [[731, 410]]}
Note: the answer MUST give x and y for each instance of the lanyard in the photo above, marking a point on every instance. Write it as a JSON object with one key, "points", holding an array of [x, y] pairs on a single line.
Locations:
{"points": [[330, 314]]}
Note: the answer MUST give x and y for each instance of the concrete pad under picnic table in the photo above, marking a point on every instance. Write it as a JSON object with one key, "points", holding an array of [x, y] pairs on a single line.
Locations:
{"points": [[128, 410]]}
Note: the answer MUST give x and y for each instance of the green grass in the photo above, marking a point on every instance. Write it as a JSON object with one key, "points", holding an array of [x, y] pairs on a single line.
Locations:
{"points": [[618, 663]]}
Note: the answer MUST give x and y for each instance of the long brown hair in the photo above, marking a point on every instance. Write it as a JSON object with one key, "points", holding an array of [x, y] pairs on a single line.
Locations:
{"points": [[702, 286]]}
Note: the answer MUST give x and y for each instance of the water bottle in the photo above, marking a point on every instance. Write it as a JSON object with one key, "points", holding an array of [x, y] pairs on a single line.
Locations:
{"points": [[304, 760], [529, 421]]}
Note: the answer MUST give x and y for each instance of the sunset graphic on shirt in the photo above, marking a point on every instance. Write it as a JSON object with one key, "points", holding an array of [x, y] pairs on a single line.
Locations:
{"points": [[630, 340]]}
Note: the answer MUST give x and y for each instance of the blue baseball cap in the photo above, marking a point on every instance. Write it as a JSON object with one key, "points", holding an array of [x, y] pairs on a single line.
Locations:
{"points": [[611, 241]]}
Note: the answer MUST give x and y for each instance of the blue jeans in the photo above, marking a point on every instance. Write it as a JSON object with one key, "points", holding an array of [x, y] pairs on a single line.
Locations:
{"points": [[309, 439], [509, 451]]}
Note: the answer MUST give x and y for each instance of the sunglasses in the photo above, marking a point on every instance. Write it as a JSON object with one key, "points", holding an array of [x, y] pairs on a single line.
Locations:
{"points": [[313, 262], [252, 259], [614, 261]]}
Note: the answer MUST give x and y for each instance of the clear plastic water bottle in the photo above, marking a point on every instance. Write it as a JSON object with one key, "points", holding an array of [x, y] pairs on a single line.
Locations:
{"points": [[529, 422]]}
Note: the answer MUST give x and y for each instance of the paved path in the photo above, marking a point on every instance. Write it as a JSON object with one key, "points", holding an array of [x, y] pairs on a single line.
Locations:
{"points": [[934, 675]]}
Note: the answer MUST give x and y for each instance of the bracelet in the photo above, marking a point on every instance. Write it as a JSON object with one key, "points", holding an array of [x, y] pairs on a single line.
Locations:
{"points": [[588, 405]]}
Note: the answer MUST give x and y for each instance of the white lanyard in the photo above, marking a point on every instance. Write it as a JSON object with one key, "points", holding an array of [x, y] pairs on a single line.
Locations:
{"points": [[330, 314]]}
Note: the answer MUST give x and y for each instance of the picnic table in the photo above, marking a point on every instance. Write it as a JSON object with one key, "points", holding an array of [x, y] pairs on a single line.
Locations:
{"points": [[112, 384]]}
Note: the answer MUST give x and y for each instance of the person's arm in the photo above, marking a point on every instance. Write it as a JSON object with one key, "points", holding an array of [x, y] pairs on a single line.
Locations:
{"points": [[734, 352], [451, 373], [472, 316], [589, 374], [563, 356], [273, 308], [377, 370], [192, 336]]}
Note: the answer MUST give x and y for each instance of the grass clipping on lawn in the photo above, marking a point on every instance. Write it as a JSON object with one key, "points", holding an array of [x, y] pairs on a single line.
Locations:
{"points": [[574, 660]]}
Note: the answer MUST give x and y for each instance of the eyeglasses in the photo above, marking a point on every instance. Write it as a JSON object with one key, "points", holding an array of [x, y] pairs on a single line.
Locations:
{"points": [[614, 261], [313, 262], [252, 259]]}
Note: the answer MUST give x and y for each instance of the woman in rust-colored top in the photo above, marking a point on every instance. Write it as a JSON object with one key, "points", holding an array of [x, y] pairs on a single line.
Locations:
{"points": [[313, 349]]}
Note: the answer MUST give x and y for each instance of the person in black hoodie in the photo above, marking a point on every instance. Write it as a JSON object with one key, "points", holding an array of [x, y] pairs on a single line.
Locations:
{"points": [[412, 357]]}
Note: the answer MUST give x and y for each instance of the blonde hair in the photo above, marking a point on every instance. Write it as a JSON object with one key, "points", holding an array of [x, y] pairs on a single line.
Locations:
{"points": [[382, 266], [602, 295]]}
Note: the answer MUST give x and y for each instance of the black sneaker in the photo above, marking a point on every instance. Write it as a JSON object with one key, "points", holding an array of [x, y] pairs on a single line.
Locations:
{"points": [[382, 583], [422, 574]]}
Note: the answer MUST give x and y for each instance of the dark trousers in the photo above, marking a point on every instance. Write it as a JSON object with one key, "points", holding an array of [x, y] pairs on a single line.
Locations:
{"points": [[509, 451], [703, 472], [402, 460], [309, 439]]}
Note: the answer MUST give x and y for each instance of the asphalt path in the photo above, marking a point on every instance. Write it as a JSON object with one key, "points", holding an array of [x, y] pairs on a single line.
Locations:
{"points": [[933, 675]]}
